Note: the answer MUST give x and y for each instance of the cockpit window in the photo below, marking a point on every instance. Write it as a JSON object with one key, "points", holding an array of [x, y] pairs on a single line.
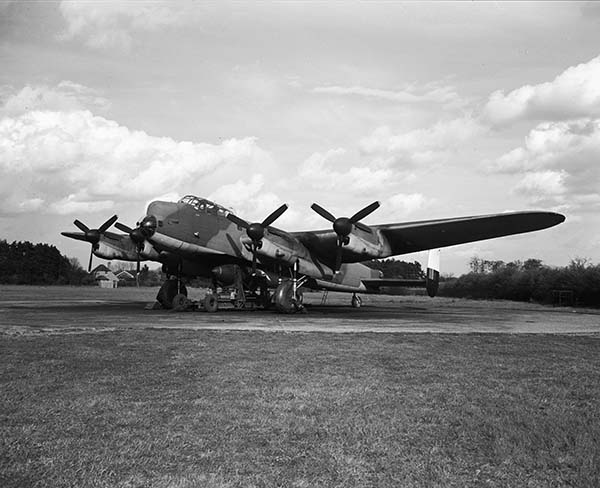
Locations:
{"points": [[203, 205]]}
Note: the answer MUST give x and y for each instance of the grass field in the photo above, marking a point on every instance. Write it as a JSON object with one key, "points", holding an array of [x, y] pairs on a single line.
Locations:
{"points": [[175, 408]]}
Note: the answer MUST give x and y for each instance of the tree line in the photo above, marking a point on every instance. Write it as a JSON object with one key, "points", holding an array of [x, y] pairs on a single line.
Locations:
{"points": [[529, 280], [24, 263]]}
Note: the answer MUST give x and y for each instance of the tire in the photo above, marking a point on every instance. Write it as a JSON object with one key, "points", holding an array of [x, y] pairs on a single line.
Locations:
{"points": [[180, 302], [167, 293], [356, 302], [284, 299], [211, 303]]}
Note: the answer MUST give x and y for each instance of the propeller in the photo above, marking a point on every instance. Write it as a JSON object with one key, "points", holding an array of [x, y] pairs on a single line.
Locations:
{"points": [[138, 239], [256, 230], [90, 235], [342, 226], [144, 230]]}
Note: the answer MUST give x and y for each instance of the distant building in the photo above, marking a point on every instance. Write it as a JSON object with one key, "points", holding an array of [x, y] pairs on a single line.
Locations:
{"points": [[105, 277], [125, 276]]}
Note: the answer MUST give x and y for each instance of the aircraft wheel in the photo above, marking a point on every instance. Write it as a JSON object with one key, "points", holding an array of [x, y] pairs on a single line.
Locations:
{"points": [[167, 293], [356, 301], [284, 298], [211, 303], [180, 302]]}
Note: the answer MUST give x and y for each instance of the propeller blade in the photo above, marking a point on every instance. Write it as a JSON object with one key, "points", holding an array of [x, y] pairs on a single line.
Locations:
{"points": [[81, 226], [364, 227], [123, 228], [322, 212], [75, 235], [274, 216], [91, 257], [361, 214], [236, 220], [104, 227]]}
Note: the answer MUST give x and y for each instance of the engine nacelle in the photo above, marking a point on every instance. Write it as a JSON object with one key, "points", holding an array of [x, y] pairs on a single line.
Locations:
{"points": [[148, 252], [290, 255], [370, 250], [110, 252], [124, 250]]}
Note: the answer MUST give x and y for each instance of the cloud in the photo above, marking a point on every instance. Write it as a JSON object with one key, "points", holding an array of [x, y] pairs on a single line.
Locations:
{"points": [[403, 204], [251, 201], [542, 184], [65, 96], [110, 23], [434, 94], [68, 162], [427, 145], [572, 94], [558, 164], [328, 171]]}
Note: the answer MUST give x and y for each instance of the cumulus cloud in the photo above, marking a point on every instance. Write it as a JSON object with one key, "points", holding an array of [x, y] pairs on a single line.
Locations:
{"points": [[328, 171], [558, 164], [403, 204], [110, 23], [73, 161], [250, 200], [572, 94], [65, 96], [542, 184], [427, 145]]}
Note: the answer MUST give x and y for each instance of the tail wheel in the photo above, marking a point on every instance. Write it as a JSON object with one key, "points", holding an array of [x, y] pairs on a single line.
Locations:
{"points": [[356, 301]]}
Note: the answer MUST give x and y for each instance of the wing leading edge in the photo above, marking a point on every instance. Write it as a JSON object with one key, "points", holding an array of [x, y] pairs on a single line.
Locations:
{"points": [[418, 236]]}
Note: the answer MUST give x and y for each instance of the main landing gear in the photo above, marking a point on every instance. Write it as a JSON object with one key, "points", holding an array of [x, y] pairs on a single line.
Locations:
{"points": [[288, 296], [172, 294]]}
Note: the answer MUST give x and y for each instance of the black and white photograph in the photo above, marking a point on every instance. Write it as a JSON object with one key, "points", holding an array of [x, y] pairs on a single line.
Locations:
{"points": [[299, 244]]}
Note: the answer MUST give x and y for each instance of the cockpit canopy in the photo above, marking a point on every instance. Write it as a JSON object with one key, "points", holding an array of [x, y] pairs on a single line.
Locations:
{"points": [[204, 205]]}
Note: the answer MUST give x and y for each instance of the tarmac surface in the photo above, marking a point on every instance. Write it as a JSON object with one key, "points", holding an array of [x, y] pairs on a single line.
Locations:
{"points": [[59, 310]]}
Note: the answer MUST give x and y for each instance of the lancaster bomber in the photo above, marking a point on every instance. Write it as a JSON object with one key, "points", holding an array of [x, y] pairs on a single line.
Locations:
{"points": [[267, 266]]}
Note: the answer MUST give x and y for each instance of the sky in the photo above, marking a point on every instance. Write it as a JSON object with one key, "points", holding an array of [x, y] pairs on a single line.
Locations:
{"points": [[434, 109]]}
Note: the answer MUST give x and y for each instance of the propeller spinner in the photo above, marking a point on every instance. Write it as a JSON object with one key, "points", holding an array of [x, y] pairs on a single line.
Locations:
{"points": [[342, 226], [256, 230], [90, 235]]}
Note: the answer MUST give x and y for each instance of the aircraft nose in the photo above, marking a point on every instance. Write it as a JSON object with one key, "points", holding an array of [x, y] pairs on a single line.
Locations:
{"points": [[157, 213]]}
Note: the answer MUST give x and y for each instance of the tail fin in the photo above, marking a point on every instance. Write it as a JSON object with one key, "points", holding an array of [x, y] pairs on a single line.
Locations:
{"points": [[432, 281]]}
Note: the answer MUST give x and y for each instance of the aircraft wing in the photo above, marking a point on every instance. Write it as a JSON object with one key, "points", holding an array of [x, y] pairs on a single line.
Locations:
{"points": [[429, 234], [408, 237]]}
